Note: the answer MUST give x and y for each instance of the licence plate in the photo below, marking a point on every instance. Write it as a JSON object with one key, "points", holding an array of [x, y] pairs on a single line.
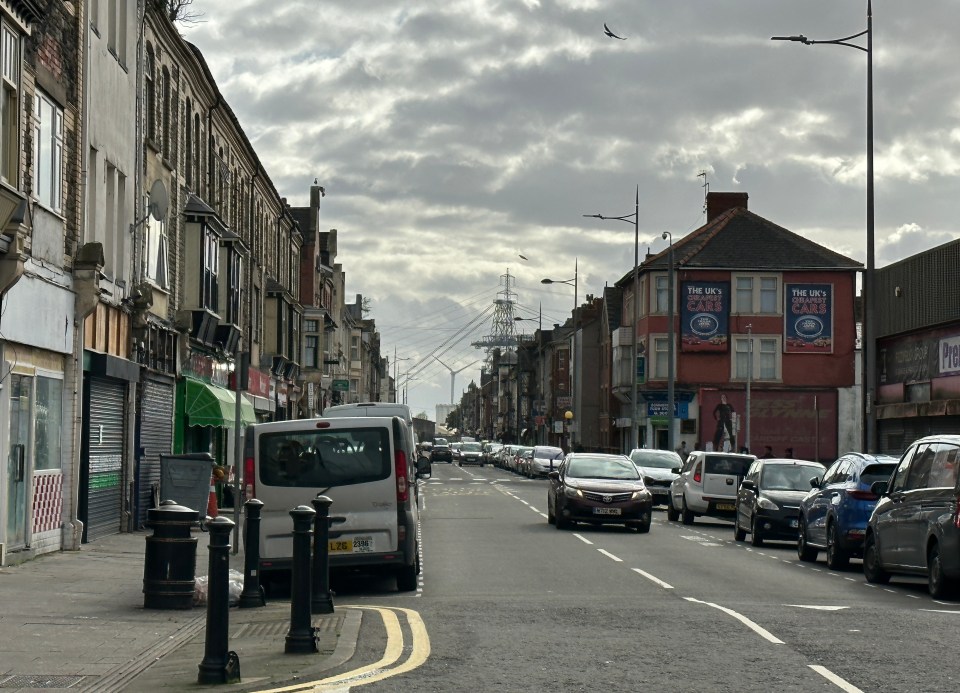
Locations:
{"points": [[355, 545], [606, 511], [730, 507]]}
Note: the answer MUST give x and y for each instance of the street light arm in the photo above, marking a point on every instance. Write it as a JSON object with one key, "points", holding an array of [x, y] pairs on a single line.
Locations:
{"points": [[629, 218], [845, 41]]}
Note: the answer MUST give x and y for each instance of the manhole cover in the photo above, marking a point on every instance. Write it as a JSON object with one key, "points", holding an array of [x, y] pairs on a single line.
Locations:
{"points": [[40, 681]]}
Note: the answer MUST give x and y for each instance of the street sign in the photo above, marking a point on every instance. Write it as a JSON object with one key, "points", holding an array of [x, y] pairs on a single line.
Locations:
{"points": [[341, 385]]}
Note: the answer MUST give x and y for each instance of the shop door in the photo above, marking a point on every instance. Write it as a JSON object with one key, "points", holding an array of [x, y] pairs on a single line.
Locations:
{"points": [[17, 467], [103, 447]]}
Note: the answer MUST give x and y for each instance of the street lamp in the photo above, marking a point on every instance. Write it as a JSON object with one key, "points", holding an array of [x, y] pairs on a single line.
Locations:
{"points": [[869, 328], [746, 437], [539, 360], [568, 417], [634, 441], [573, 361], [671, 368]]}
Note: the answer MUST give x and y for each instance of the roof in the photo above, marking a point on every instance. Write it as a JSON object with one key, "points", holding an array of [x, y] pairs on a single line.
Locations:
{"points": [[613, 298]]}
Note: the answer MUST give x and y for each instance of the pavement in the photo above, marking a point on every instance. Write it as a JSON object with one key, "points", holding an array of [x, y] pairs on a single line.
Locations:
{"points": [[75, 620]]}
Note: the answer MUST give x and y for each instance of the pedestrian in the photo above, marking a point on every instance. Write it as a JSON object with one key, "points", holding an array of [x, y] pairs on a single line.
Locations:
{"points": [[723, 413], [769, 453], [682, 450], [789, 454]]}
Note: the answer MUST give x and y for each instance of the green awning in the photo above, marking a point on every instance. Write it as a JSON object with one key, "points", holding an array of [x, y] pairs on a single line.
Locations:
{"points": [[211, 405]]}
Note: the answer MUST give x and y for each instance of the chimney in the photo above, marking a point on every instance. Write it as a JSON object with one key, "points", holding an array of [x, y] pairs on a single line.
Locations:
{"points": [[720, 202]]}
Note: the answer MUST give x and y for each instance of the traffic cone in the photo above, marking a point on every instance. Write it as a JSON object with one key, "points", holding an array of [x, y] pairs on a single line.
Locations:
{"points": [[212, 499]]}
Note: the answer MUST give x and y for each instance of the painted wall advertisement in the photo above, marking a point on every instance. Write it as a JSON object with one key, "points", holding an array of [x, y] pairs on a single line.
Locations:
{"points": [[808, 322], [704, 316]]}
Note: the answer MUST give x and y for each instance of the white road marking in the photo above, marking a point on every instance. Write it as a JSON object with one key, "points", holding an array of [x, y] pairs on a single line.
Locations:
{"points": [[652, 578], [818, 608], [610, 555], [850, 579], [834, 679], [700, 540], [583, 539], [940, 611], [755, 627]]}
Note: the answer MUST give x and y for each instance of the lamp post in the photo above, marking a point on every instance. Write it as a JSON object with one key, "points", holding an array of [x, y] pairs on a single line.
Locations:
{"points": [[568, 417], [746, 436], [573, 360], [539, 360], [869, 327], [634, 438], [395, 362], [671, 367]]}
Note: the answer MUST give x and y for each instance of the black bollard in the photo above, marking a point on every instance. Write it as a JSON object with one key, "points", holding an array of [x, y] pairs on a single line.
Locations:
{"points": [[322, 599], [252, 595], [219, 665], [301, 638]]}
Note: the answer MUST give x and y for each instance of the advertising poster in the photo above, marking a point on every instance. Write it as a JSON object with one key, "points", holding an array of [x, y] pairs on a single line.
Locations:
{"points": [[808, 318], [704, 316]]}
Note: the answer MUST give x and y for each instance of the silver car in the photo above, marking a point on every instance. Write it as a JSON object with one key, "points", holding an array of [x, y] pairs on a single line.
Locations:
{"points": [[659, 468], [544, 460]]}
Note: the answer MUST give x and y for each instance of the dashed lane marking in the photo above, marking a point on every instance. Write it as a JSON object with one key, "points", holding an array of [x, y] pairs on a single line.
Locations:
{"points": [[610, 555], [840, 683], [653, 579], [583, 539]]}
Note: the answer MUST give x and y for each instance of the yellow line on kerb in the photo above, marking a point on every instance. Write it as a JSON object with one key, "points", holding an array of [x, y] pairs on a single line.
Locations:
{"points": [[381, 669]]}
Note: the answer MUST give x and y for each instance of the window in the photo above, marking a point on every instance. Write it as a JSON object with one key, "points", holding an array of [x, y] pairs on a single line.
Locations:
{"points": [[311, 326], [235, 293], [943, 473], [310, 351], [660, 358], [165, 125], [150, 95], [255, 310], [663, 293], [920, 468], [9, 107], [48, 151], [762, 362], [48, 424], [899, 481], [756, 294], [354, 348], [156, 249], [188, 145], [211, 258]]}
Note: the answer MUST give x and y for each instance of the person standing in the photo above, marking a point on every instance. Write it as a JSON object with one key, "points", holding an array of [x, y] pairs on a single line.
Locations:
{"points": [[768, 454], [682, 450], [723, 413]]}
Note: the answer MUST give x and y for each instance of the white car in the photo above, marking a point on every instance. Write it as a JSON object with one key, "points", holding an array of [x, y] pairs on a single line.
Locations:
{"points": [[707, 485], [545, 459]]}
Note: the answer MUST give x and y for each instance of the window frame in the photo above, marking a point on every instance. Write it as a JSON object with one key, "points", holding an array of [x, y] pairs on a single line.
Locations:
{"points": [[774, 351], [757, 292], [48, 147]]}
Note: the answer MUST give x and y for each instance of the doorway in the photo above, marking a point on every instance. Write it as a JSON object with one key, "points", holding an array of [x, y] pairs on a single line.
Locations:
{"points": [[21, 388]]}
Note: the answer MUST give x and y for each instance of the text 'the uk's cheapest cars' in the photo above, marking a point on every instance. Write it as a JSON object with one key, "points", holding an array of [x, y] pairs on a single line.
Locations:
{"points": [[599, 489], [915, 528]]}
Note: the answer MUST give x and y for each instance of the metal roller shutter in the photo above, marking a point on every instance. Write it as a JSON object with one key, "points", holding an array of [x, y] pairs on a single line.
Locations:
{"points": [[154, 438], [105, 410]]}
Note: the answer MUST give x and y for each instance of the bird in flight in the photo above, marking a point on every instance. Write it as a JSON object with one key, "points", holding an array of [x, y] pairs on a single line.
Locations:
{"points": [[609, 33]]}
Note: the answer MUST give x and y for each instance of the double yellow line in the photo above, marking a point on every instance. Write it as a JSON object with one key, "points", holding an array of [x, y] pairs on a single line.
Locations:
{"points": [[384, 667]]}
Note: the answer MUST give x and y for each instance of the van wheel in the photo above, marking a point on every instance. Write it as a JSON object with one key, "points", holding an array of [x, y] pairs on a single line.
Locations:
{"points": [[407, 578], [940, 586], [687, 518], [872, 570]]}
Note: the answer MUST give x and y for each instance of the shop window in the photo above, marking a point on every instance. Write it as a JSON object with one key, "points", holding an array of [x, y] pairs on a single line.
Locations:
{"points": [[48, 425]]}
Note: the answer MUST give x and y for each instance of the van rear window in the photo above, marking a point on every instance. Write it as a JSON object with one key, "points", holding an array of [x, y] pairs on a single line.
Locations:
{"points": [[324, 458], [719, 464]]}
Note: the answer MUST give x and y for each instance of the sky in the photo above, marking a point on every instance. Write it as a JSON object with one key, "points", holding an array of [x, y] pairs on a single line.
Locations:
{"points": [[461, 140]]}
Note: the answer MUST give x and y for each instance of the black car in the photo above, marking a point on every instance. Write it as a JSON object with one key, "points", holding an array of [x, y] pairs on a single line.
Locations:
{"points": [[441, 452], [599, 489], [915, 528], [768, 500]]}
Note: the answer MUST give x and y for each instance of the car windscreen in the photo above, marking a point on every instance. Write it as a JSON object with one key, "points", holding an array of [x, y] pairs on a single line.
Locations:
{"points": [[876, 472], [724, 464], [471, 447], [324, 458], [601, 468], [548, 453], [659, 459], [788, 477]]}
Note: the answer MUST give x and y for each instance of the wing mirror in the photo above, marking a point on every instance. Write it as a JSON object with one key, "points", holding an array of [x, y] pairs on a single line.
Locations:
{"points": [[675, 470], [879, 488], [553, 475], [748, 484], [815, 482]]}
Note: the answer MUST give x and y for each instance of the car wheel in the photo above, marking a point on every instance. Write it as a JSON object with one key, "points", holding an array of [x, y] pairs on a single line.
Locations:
{"points": [[672, 513], [558, 520], [805, 552], [738, 534], [756, 539], [643, 527], [872, 570], [551, 518], [687, 514], [837, 558], [940, 586]]}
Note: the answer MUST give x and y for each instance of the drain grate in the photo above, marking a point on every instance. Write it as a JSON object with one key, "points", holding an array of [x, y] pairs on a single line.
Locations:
{"points": [[40, 681]]}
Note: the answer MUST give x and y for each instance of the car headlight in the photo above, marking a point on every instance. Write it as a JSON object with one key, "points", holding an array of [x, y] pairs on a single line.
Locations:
{"points": [[637, 495], [767, 504], [572, 492]]}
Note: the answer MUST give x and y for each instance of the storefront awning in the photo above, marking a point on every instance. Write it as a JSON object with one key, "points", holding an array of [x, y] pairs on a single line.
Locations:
{"points": [[211, 405]]}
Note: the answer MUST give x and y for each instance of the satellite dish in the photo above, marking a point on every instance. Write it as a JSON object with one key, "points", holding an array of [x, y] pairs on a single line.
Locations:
{"points": [[159, 201]]}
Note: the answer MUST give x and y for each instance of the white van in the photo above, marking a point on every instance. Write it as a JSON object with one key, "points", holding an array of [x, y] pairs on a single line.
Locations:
{"points": [[362, 464]]}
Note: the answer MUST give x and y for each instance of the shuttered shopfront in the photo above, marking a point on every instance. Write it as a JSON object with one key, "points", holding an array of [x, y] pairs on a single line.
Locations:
{"points": [[154, 438], [102, 474]]}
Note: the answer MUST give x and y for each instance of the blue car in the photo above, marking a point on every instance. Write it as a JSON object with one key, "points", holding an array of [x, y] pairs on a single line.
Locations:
{"points": [[833, 516]]}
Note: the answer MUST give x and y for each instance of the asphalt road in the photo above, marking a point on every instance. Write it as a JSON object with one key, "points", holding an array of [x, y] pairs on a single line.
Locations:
{"points": [[509, 603]]}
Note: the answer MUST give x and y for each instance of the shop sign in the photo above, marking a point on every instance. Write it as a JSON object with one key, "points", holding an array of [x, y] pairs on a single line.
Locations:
{"points": [[341, 385], [258, 383]]}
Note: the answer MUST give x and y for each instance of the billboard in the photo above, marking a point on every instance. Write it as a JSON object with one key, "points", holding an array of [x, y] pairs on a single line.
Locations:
{"points": [[808, 318], [704, 316]]}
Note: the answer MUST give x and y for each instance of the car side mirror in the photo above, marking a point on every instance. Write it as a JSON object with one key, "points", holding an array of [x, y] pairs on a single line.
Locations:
{"points": [[748, 484], [815, 482], [879, 488], [675, 470], [553, 475]]}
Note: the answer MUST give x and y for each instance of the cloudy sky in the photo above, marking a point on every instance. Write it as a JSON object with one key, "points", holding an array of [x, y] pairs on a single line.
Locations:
{"points": [[453, 137]]}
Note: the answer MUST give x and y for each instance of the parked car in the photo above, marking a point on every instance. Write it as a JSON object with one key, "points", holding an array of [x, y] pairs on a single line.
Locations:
{"points": [[543, 460], [768, 500], [440, 452], [455, 451], [520, 456], [834, 515], [470, 453], [915, 528], [659, 468], [599, 489], [707, 485], [490, 452]]}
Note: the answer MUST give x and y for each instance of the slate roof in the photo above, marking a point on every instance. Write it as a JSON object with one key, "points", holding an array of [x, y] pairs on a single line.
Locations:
{"points": [[613, 300], [738, 239]]}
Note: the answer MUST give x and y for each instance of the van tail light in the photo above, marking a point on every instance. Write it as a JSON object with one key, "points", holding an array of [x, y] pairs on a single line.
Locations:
{"points": [[400, 465], [696, 473], [857, 494], [249, 479]]}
